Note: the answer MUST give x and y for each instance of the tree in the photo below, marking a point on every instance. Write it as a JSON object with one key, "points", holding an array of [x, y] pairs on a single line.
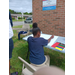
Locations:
{"points": [[14, 12], [26, 13], [18, 12], [30, 13], [11, 11]]}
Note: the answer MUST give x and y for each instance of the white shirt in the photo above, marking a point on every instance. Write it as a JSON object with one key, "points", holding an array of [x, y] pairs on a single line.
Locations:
{"points": [[10, 31]]}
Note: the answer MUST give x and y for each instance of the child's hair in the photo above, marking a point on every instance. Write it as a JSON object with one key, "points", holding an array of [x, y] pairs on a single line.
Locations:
{"points": [[35, 30], [35, 25]]}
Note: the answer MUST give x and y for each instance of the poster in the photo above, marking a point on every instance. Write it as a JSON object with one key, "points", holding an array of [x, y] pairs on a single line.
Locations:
{"points": [[49, 5]]}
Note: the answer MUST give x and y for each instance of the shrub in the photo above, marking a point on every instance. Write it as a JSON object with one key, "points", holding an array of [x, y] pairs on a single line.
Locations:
{"points": [[19, 17], [13, 18]]}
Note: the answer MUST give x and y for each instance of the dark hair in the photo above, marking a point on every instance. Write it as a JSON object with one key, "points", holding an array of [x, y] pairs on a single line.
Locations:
{"points": [[35, 30], [35, 25]]}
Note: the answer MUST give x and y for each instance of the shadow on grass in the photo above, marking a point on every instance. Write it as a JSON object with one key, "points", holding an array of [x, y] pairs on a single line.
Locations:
{"points": [[22, 51], [60, 62], [56, 58]]}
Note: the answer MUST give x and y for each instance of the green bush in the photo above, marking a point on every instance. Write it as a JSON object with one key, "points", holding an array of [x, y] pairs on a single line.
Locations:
{"points": [[19, 17], [13, 18]]}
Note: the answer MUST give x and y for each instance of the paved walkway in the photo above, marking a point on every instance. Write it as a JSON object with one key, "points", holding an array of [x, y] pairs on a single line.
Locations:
{"points": [[25, 27], [17, 23]]}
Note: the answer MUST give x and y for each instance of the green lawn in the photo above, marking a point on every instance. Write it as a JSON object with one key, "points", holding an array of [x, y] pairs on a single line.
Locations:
{"points": [[18, 20], [20, 26], [21, 48], [30, 25]]}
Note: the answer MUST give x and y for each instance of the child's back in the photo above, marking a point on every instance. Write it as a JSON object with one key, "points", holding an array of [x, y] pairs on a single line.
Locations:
{"points": [[36, 50]]}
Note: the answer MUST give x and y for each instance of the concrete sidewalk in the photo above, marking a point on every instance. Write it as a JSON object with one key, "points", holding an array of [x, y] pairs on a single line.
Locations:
{"points": [[17, 23], [25, 27]]}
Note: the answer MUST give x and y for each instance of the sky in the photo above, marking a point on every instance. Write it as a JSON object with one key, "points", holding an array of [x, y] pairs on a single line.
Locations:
{"points": [[20, 5]]}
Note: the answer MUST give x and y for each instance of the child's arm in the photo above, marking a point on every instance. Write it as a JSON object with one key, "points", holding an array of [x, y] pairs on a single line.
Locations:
{"points": [[50, 38]]}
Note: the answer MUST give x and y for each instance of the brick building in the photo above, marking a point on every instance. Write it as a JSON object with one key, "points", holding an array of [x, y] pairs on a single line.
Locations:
{"points": [[50, 21]]}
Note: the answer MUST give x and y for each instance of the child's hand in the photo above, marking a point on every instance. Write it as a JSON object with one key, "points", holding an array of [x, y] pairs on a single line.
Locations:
{"points": [[52, 36]]}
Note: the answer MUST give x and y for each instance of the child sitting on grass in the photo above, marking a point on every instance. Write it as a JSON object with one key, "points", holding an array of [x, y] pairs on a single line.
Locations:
{"points": [[36, 44]]}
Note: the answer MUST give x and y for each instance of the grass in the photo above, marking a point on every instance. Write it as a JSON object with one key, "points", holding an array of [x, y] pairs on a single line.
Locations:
{"points": [[21, 48], [20, 26], [18, 20], [30, 25]]}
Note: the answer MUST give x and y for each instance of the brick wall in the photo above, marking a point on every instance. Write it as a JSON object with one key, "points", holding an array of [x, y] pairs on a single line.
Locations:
{"points": [[50, 21]]}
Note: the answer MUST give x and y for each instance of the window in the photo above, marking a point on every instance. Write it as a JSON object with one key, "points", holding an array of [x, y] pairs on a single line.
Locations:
{"points": [[28, 19]]}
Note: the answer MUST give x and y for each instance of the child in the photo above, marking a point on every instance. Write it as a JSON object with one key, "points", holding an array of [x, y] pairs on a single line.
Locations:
{"points": [[36, 44]]}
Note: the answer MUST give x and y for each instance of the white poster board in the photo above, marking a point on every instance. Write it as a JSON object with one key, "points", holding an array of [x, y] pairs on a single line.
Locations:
{"points": [[45, 36]]}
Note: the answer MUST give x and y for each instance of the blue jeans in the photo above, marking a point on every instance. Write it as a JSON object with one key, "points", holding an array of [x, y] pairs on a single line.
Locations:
{"points": [[11, 46], [21, 32]]}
